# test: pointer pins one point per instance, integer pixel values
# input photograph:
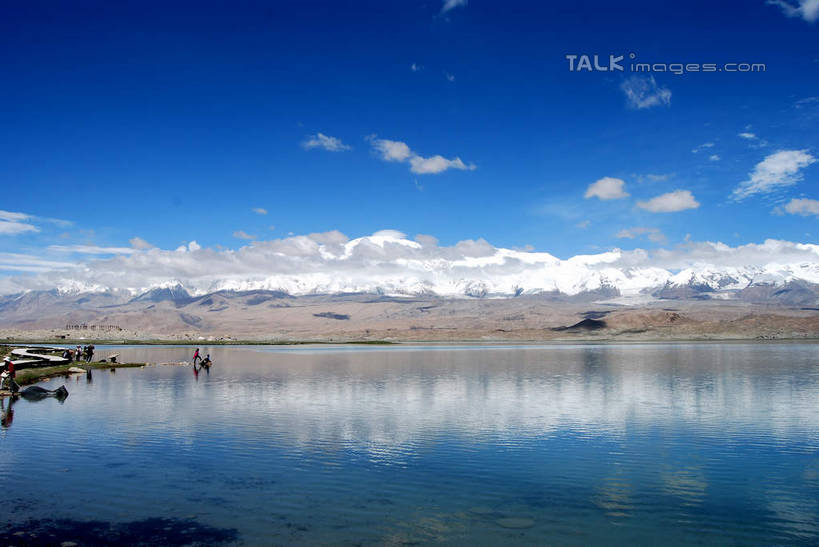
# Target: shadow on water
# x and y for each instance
(32, 394)
(152, 531)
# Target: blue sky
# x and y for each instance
(459, 120)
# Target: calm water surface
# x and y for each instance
(568, 445)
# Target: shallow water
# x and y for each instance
(570, 445)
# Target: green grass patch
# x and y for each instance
(32, 375)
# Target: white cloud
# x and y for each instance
(388, 262)
(702, 147)
(452, 4)
(240, 234)
(449, 77)
(13, 217)
(91, 249)
(806, 9)
(775, 171)
(653, 234)
(752, 138)
(415, 67)
(325, 142)
(397, 151)
(15, 262)
(436, 164)
(13, 228)
(391, 150)
(139, 243)
(607, 188)
(12, 223)
(259, 211)
(678, 200)
(803, 207)
(643, 92)
(427, 240)
(653, 177)
(714, 157)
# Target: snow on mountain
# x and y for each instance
(388, 263)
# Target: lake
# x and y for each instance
(563, 444)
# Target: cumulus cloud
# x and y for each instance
(653, 234)
(388, 262)
(607, 188)
(436, 164)
(678, 200)
(415, 67)
(391, 150)
(806, 9)
(748, 136)
(400, 152)
(452, 4)
(643, 92)
(240, 234)
(259, 211)
(714, 157)
(777, 170)
(804, 207)
(325, 142)
(139, 243)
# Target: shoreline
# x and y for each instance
(406, 341)
(615, 340)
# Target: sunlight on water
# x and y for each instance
(682, 444)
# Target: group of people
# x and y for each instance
(206, 362)
(82, 353)
(203, 363)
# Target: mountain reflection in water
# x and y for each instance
(572, 444)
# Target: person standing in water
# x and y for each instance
(8, 378)
(196, 356)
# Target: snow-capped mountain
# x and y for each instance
(387, 263)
